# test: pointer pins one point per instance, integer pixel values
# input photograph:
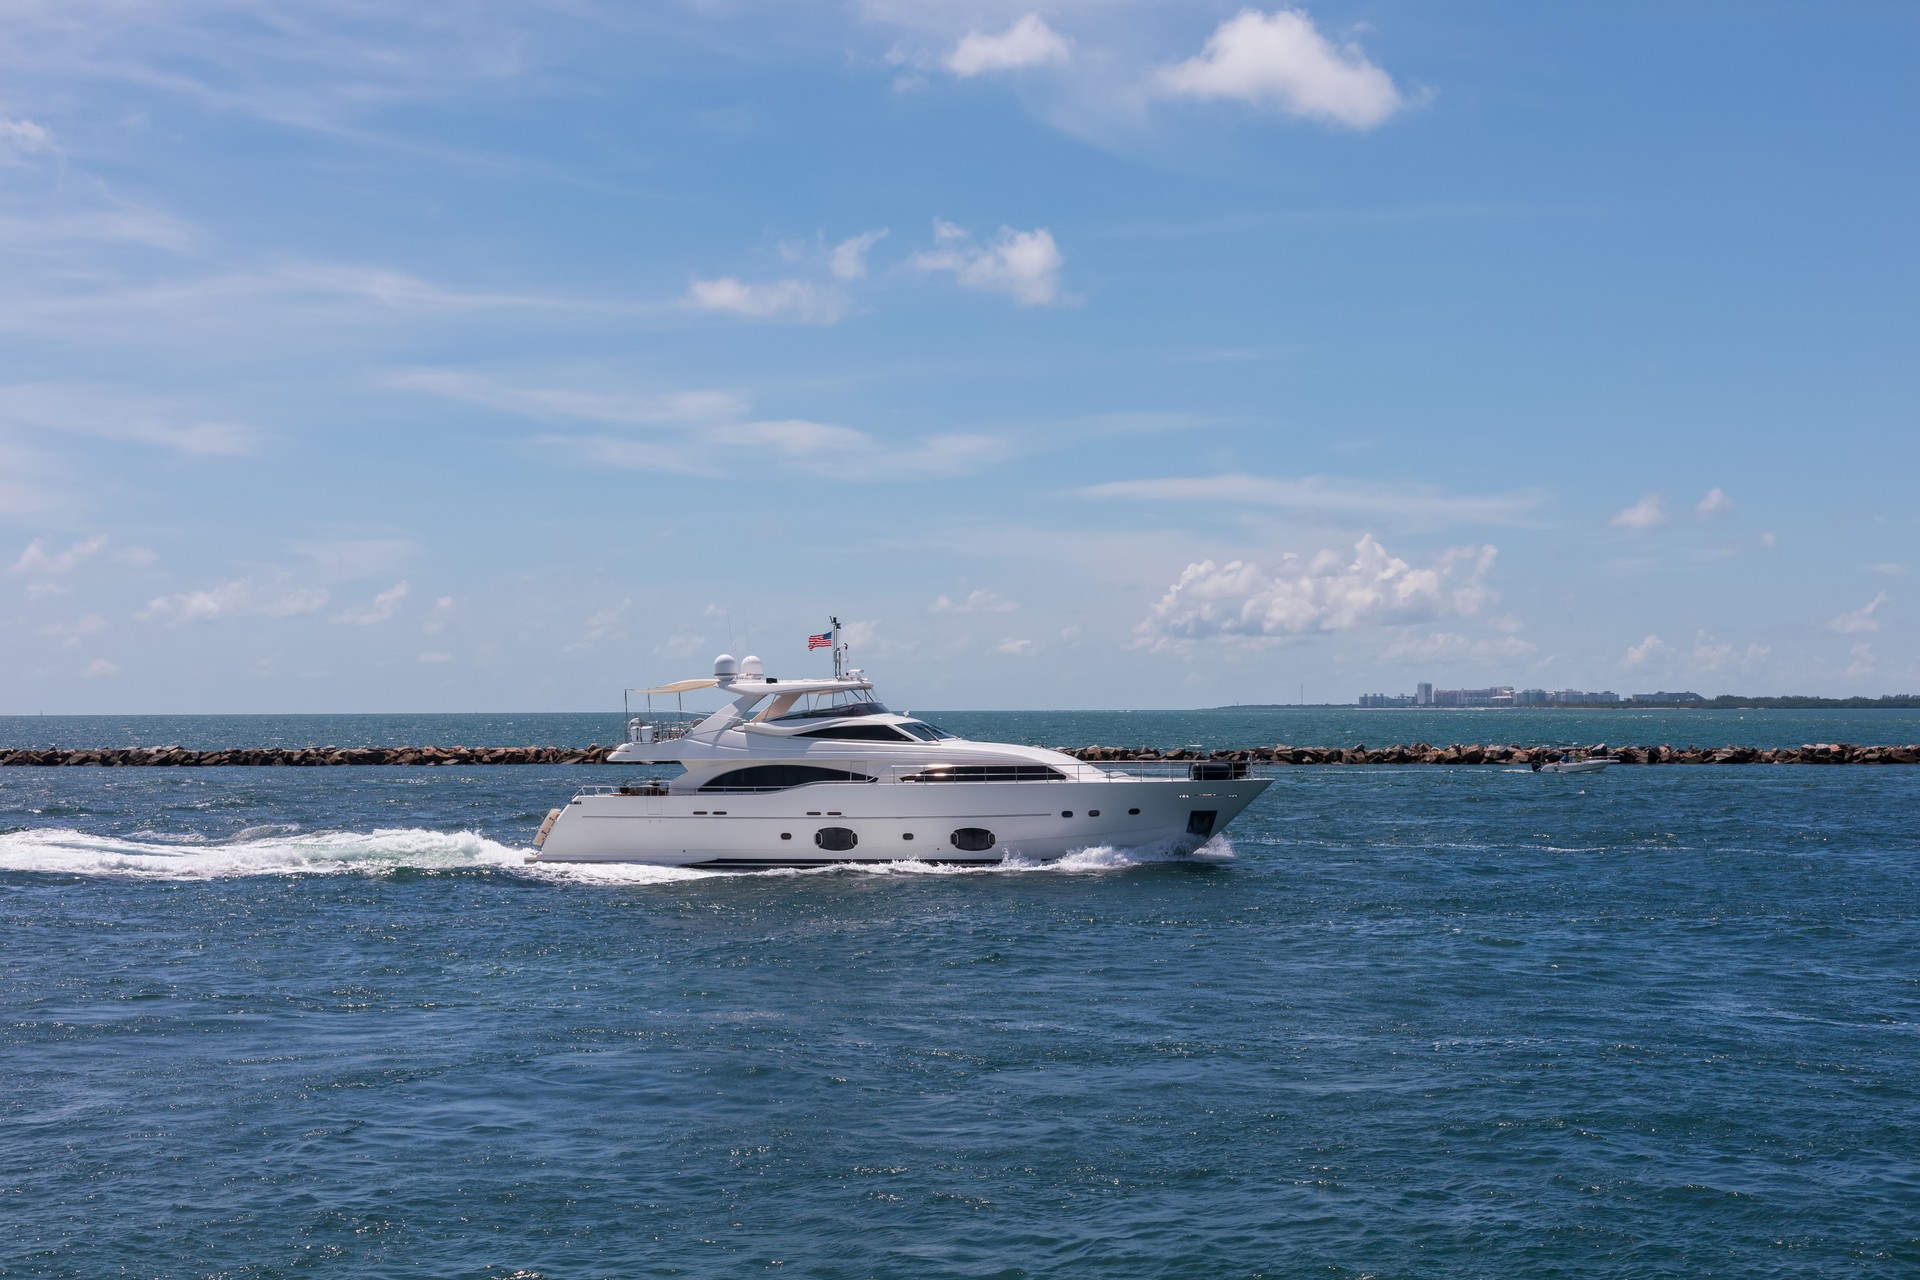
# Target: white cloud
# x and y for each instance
(1648, 513)
(604, 624)
(1768, 540)
(1024, 265)
(783, 299)
(22, 138)
(84, 411)
(1860, 619)
(39, 558)
(70, 635)
(1316, 493)
(1281, 60)
(1014, 648)
(243, 596)
(441, 616)
(100, 667)
(344, 559)
(1890, 568)
(1715, 503)
(1863, 661)
(677, 408)
(381, 610)
(1030, 42)
(1451, 646)
(435, 656)
(1323, 594)
(976, 602)
(1712, 655)
(848, 259)
(1639, 654)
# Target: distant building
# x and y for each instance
(1385, 700)
(1423, 694)
(1532, 697)
(1497, 696)
(1576, 697)
(1664, 696)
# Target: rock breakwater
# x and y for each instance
(1359, 754)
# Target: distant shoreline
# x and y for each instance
(1725, 702)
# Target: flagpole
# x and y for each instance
(834, 626)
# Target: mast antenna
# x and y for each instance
(837, 646)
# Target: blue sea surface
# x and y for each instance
(1416, 1021)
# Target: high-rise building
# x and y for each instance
(1423, 694)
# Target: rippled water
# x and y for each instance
(1402, 1022)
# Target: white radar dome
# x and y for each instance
(726, 667)
(750, 667)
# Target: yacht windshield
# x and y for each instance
(833, 711)
(923, 731)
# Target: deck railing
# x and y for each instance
(918, 775)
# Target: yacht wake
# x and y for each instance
(274, 851)
(281, 850)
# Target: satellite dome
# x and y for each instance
(725, 667)
(750, 667)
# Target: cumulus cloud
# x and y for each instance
(1860, 619)
(384, 606)
(20, 138)
(100, 667)
(1710, 654)
(1323, 594)
(800, 300)
(1638, 655)
(1014, 648)
(1281, 60)
(1030, 42)
(1024, 265)
(1648, 513)
(241, 597)
(39, 557)
(848, 259)
(1715, 503)
(976, 602)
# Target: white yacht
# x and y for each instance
(812, 772)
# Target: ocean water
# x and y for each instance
(1399, 1022)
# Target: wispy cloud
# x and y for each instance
(39, 557)
(1715, 503)
(22, 138)
(238, 598)
(801, 300)
(1861, 619)
(981, 601)
(1024, 265)
(381, 609)
(108, 415)
(1648, 513)
(1318, 493)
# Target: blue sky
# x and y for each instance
(1106, 353)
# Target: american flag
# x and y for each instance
(821, 641)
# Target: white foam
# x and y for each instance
(278, 850)
(253, 852)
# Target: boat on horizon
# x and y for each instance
(818, 772)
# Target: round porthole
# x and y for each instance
(972, 839)
(907, 836)
(786, 835)
(1133, 813)
(835, 839)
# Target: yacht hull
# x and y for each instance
(809, 825)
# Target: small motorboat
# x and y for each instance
(1596, 765)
